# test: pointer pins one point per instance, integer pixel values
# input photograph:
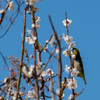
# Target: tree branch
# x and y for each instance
(59, 59)
(22, 54)
(35, 34)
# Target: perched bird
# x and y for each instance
(78, 64)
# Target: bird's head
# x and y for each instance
(76, 52)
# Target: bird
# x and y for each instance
(78, 64)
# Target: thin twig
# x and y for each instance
(53, 95)
(4, 12)
(22, 54)
(11, 21)
(59, 58)
(52, 76)
(35, 34)
(4, 60)
(66, 23)
(47, 61)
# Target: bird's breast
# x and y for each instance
(77, 65)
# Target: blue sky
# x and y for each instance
(85, 16)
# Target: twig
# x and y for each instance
(53, 95)
(52, 76)
(35, 34)
(4, 12)
(22, 54)
(66, 24)
(11, 22)
(50, 90)
(47, 42)
(52, 55)
(4, 60)
(59, 58)
(42, 89)
(48, 96)
(47, 61)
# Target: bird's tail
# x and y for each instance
(84, 80)
(83, 77)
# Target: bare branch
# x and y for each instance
(35, 34)
(59, 58)
(22, 54)
(66, 24)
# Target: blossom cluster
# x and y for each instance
(28, 71)
(31, 2)
(32, 39)
(73, 72)
(10, 7)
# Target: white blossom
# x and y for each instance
(68, 22)
(73, 56)
(27, 1)
(38, 20)
(58, 92)
(33, 25)
(39, 64)
(38, 67)
(74, 72)
(65, 53)
(69, 80)
(47, 41)
(52, 41)
(39, 71)
(28, 11)
(49, 72)
(6, 81)
(68, 69)
(31, 67)
(33, 2)
(72, 84)
(70, 97)
(71, 45)
(45, 48)
(11, 6)
(14, 96)
(68, 39)
(28, 71)
(57, 51)
(31, 94)
(29, 31)
(30, 40)
(37, 26)
(24, 70)
(1, 11)
(44, 73)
